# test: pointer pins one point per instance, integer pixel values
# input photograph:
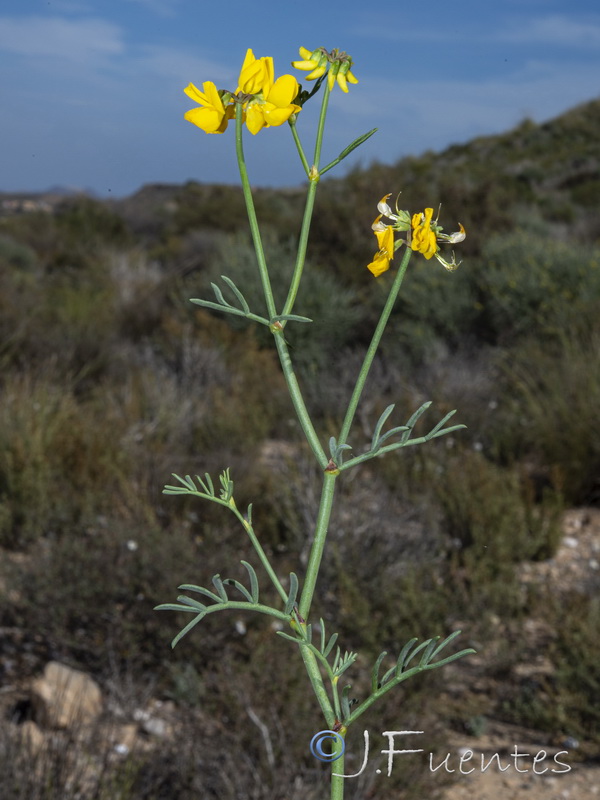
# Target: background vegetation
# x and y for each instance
(111, 380)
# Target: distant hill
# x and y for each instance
(487, 184)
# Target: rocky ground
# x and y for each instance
(61, 701)
(575, 566)
(546, 773)
(581, 783)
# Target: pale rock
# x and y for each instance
(124, 738)
(155, 727)
(32, 737)
(65, 697)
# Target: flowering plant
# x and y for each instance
(262, 101)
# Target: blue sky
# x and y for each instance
(91, 93)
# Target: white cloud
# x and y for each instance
(428, 114)
(73, 40)
(170, 63)
(534, 29)
(555, 30)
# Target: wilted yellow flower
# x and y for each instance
(423, 238)
(213, 116)
(401, 219)
(385, 240)
(317, 61)
(423, 235)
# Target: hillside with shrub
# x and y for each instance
(111, 380)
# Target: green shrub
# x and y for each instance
(549, 415)
(493, 522)
(57, 465)
(16, 255)
(563, 700)
(529, 282)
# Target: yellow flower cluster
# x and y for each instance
(423, 236)
(267, 102)
(317, 61)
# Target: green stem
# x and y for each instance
(321, 126)
(264, 560)
(314, 674)
(284, 357)
(318, 545)
(370, 355)
(313, 177)
(337, 783)
(292, 124)
(302, 246)
(297, 398)
(260, 254)
(244, 605)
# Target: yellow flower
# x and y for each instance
(213, 116)
(385, 240)
(271, 102)
(423, 238)
(275, 106)
(266, 101)
(317, 61)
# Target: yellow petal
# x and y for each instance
(284, 91)
(209, 97)
(424, 242)
(269, 74)
(249, 59)
(316, 73)
(379, 265)
(341, 79)
(250, 79)
(306, 65)
(208, 119)
(194, 93)
(277, 116)
(306, 54)
(256, 74)
(385, 240)
(255, 120)
(212, 95)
